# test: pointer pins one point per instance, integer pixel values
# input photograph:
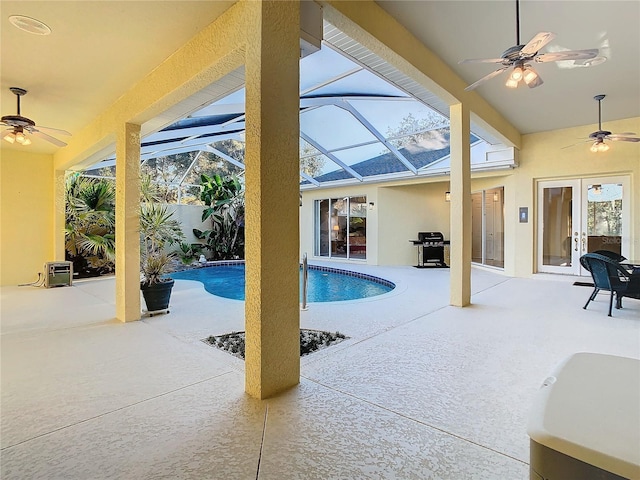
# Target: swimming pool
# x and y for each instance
(325, 284)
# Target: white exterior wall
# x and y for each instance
(190, 217)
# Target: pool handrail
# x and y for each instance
(305, 281)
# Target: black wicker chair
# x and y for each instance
(610, 276)
(612, 255)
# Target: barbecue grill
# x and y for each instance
(430, 249)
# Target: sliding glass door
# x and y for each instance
(341, 227)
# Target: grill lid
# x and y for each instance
(430, 236)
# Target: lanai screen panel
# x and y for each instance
(353, 125)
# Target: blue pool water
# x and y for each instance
(228, 281)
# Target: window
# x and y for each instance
(341, 227)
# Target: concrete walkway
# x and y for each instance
(420, 389)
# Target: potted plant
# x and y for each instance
(158, 230)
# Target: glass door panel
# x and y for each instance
(322, 221)
(339, 230)
(358, 227)
(604, 217)
(558, 231)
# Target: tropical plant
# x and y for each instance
(311, 160)
(428, 131)
(90, 223)
(224, 200)
(158, 230)
(188, 252)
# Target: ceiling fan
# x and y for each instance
(20, 125)
(600, 135)
(520, 56)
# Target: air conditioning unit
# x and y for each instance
(58, 274)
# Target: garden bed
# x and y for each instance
(310, 341)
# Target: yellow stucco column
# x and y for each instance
(272, 315)
(128, 223)
(58, 214)
(460, 206)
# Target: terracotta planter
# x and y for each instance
(157, 295)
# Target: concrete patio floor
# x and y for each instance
(420, 389)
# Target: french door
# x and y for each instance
(578, 216)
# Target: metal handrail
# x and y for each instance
(305, 282)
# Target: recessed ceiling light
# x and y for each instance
(30, 25)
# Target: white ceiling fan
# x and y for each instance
(520, 57)
(598, 137)
(20, 125)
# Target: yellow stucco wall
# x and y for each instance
(26, 215)
(210, 55)
(543, 157)
(405, 211)
(272, 312)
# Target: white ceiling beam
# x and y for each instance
(331, 80)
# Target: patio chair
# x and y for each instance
(633, 288)
(612, 255)
(609, 275)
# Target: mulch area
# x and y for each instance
(310, 341)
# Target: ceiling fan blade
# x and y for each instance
(48, 138)
(53, 130)
(485, 78)
(622, 134)
(482, 60)
(567, 55)
(620, 138)
(573, 145)
(537, 42)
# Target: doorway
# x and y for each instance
(487, 229)
(578, 216)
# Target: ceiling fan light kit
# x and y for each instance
(18, 125)
(598, 137)
(19, 137)
(599, 146)
(518, 56)
(523, 72)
